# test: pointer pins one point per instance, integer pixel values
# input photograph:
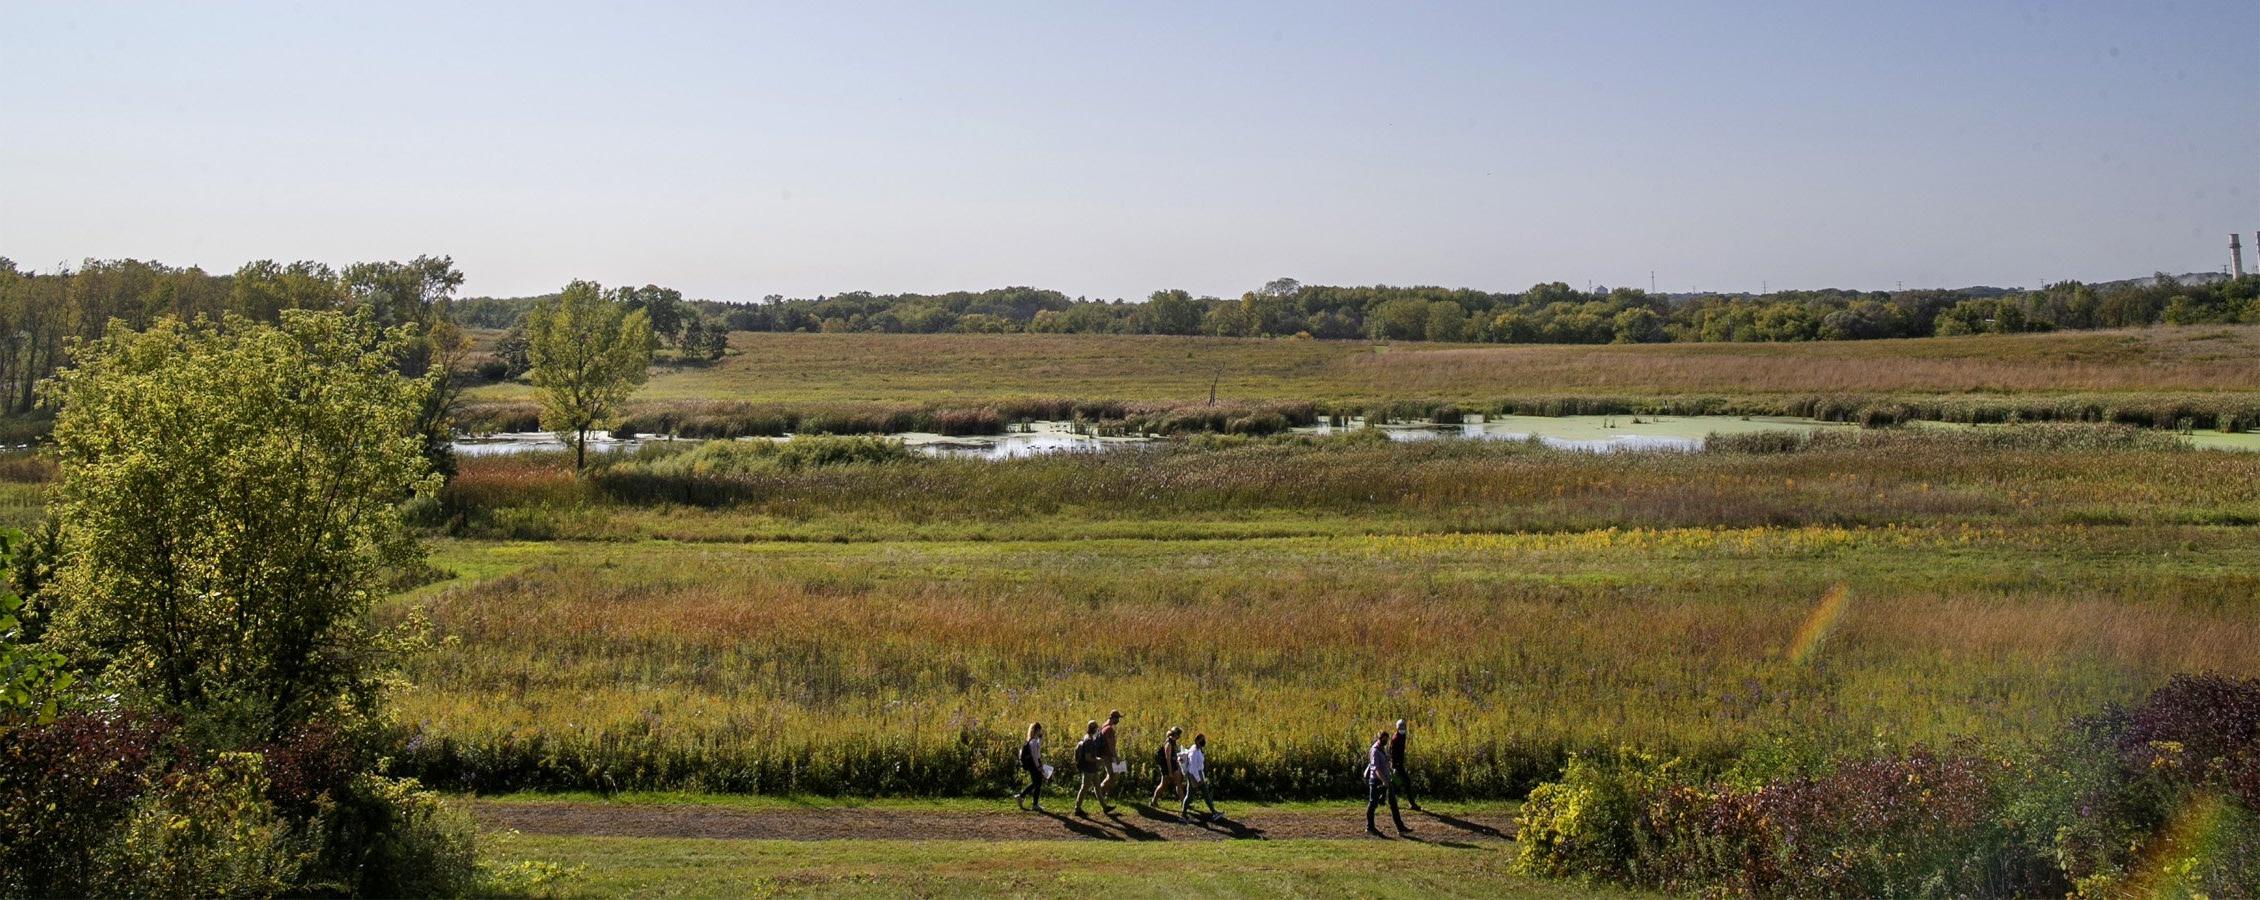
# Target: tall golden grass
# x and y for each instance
(1297, 486)
(1287, 595)
(908, 668)
(965, 370)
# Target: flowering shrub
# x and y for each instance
(2160, 796)
(1595, 821)
(2154, 800)
(1918, 823)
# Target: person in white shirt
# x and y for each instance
(1032, 762)
(1193, 761)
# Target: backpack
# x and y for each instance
(1027, 756)
(1161, 758)
(1087, 753)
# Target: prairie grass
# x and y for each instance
(774, 384)
(923, 369)
(1354, 485)
(908, 668)
(887, 627)
(920, 369)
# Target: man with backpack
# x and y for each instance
(1165, 759)
(1397, 765)
(1089, 769)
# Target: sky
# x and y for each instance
(735, 150)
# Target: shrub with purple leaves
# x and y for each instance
(2210, 716)
(2159, 799)
(65, 787)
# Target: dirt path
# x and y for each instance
(1128, 823)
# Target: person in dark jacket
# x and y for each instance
(1377, 787)
(1172, 775)
(1089, 764)
(1032, 762)
(1397, 763)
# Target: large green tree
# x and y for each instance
(420, 292)
(229, 506)
(589, 352)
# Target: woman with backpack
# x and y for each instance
(1032, 762)
(1165, 759)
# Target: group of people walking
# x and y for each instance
(1384, 770)
(1184, 771)
(1099, 763)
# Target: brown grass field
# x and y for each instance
(955, 368)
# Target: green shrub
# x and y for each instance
(1593, 823)
(386, 837)
(207, 833)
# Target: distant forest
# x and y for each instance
(1552, 313)
(40, 312)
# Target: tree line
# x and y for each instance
(43, 314)
(40, 313)
(1551, 313)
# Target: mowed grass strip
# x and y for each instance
(689, 867)
(958, 368)
(911, 668)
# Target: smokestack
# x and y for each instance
(2236, 253)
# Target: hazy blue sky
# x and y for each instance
(736, 150)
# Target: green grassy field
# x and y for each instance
(691, 867)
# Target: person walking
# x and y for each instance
(1088, 765)
(1193, 762)
(1110, 762)
(1165, 759)
(1377, 787)
(1032, 762)
(1397, 765)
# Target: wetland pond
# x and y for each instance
(1600, 434)
(1597, 434)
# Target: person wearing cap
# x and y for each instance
(1397, 763)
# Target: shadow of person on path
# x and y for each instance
(1417, 839)
(1465, 825)
(1154, 813)
(1086, 829)
(1235, 830)
(1134, 832)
